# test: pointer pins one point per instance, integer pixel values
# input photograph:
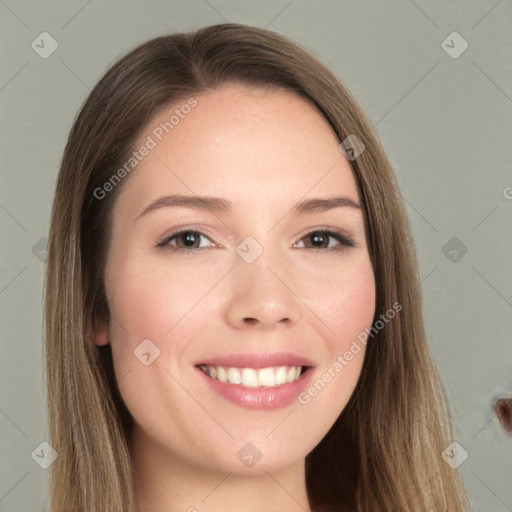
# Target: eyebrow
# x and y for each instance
(219, 205)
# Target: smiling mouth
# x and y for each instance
(271, 376)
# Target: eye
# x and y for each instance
(189, 240)
(186, 240)
(320, 240)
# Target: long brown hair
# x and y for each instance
(384, 452)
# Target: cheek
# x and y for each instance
(149, 300)
(346, 305)
(345, 302)
(151, 307)
(144, 306)
(158, 303)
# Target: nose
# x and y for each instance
(262, 294)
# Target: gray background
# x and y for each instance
(446, 125)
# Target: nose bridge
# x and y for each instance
(259, 288)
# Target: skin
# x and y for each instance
(264, 150)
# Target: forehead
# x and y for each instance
(246, 144)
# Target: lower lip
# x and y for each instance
(269, 398)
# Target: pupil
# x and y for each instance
(317, 238)
(189, 237)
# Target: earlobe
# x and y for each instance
(99, 331)
(100, 337)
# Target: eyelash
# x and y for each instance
(345, 241)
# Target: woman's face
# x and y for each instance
(253, 286)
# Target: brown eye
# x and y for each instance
(185, 240)
(320, 240)
(190, 239)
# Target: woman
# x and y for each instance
(233, 313)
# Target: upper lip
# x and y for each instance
(257, 360)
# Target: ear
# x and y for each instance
(100, 333)
(99, 328)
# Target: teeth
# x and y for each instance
(251, 377)
(280, 375)
(266, 377)
(221, 373)
(234, 376)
